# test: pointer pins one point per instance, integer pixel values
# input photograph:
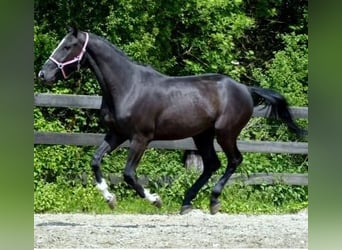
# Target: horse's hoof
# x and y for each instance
(112, 203)
(158, 203)
(214, 208)
(186, 209)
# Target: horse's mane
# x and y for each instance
(119, 51)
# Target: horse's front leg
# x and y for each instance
(111, 142)
(136, 150)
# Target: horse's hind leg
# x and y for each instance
(110, 142)
(234, 156)
(205, 145)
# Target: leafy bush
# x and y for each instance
(288, 71)
(59, 186)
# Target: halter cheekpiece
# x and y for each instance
(76, 59)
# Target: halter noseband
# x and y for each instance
(76, 59)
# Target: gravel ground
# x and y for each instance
(194, 230)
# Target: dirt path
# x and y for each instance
(194, 230)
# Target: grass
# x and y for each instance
(235, 199)
(58, 189)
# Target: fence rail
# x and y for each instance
(93, 139)
(238, 178)
(94, 102)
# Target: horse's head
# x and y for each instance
(66, 58)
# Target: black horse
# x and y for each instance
(141, 105)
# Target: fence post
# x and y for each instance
(192, 160)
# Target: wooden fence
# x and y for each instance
(90, 139)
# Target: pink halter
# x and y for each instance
(76, 59)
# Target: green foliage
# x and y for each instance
(60, 188)
(57, 197)
(288, 71)
(206, 35)
(264, 42)
(263, 199)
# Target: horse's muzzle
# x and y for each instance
(45, 78)
(41, 75)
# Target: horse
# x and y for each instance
(141, 104)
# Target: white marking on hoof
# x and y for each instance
(152, 198)
(103, 187)
(112, 203)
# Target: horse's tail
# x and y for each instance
(279, 107)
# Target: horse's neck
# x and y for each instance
(110, 68)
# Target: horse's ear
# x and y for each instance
(73, 30)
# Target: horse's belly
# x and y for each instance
(179, 133)
(182, 125)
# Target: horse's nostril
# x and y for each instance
(41, 74)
